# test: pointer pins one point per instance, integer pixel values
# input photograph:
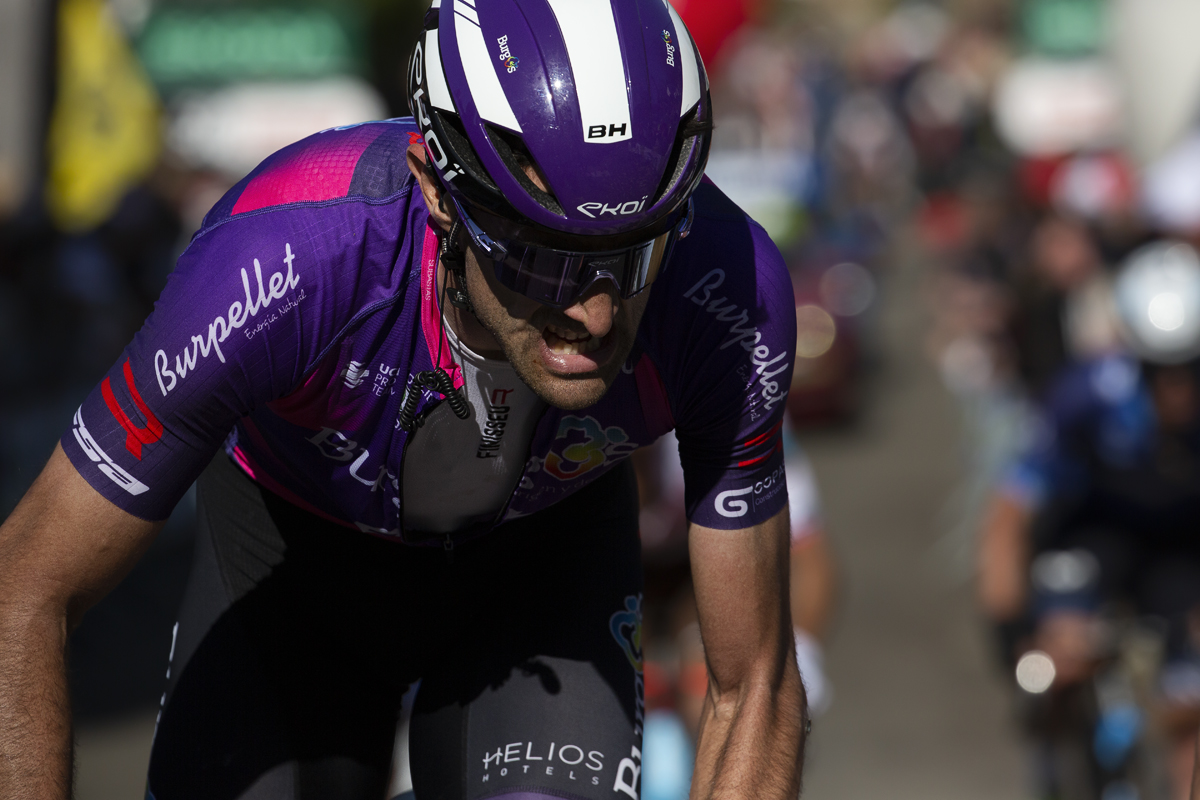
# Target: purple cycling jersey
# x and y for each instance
(294, 321)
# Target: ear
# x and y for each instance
(417, 159)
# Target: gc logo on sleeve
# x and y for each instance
(728, 507)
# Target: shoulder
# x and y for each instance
(724, 305)
(728, 254)
(340, 203)
(357, 161)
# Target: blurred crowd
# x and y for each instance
(991, 142)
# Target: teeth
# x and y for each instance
(566, 335)
(565, 343)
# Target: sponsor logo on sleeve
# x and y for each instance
(734, 503)
(765, 363)
(105, 464)
(732, 508)
(135, 435)
(201, 345)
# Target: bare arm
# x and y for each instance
(62, 549)
(751, 740)
(1004, 558)
(814, 585)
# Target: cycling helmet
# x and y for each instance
(1158, 300)
(606, 99)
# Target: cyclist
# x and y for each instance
(448, 330)
(1104, 502)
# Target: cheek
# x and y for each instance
(489, 293)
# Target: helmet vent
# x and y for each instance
(691, 129)
(517, 159)
(459, 145)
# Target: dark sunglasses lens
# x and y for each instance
(557, 278)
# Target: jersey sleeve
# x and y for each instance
(727, 311)
(252, 303)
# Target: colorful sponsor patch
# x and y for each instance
(583, 444)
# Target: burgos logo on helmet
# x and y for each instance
(670, 48)
(506, 55)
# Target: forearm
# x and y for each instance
(1004, 558)
(750, 743)
(751, 739)
(35, 727)
(61, 549)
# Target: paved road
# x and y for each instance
(919, 712)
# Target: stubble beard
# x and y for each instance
(520, 341)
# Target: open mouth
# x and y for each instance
(563, 342)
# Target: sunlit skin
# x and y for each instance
(509, 325)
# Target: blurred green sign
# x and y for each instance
(1064, 27)
(217, 45)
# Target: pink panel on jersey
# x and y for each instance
(653, 395)
(431, 326)
(273, 486)
(318, 171)
(319, 402)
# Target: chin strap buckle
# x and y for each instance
(455, 261)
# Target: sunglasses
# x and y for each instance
(557, 278)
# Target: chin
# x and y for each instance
(571, 395)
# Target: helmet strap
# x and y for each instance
(454, 258)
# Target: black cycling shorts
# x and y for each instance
(297, 639)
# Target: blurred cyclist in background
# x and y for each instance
(1103, 505)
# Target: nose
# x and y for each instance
(596, 308)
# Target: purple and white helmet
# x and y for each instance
(607, 98)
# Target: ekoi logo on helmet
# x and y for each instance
(420, 111)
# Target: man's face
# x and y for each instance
(569, 357)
